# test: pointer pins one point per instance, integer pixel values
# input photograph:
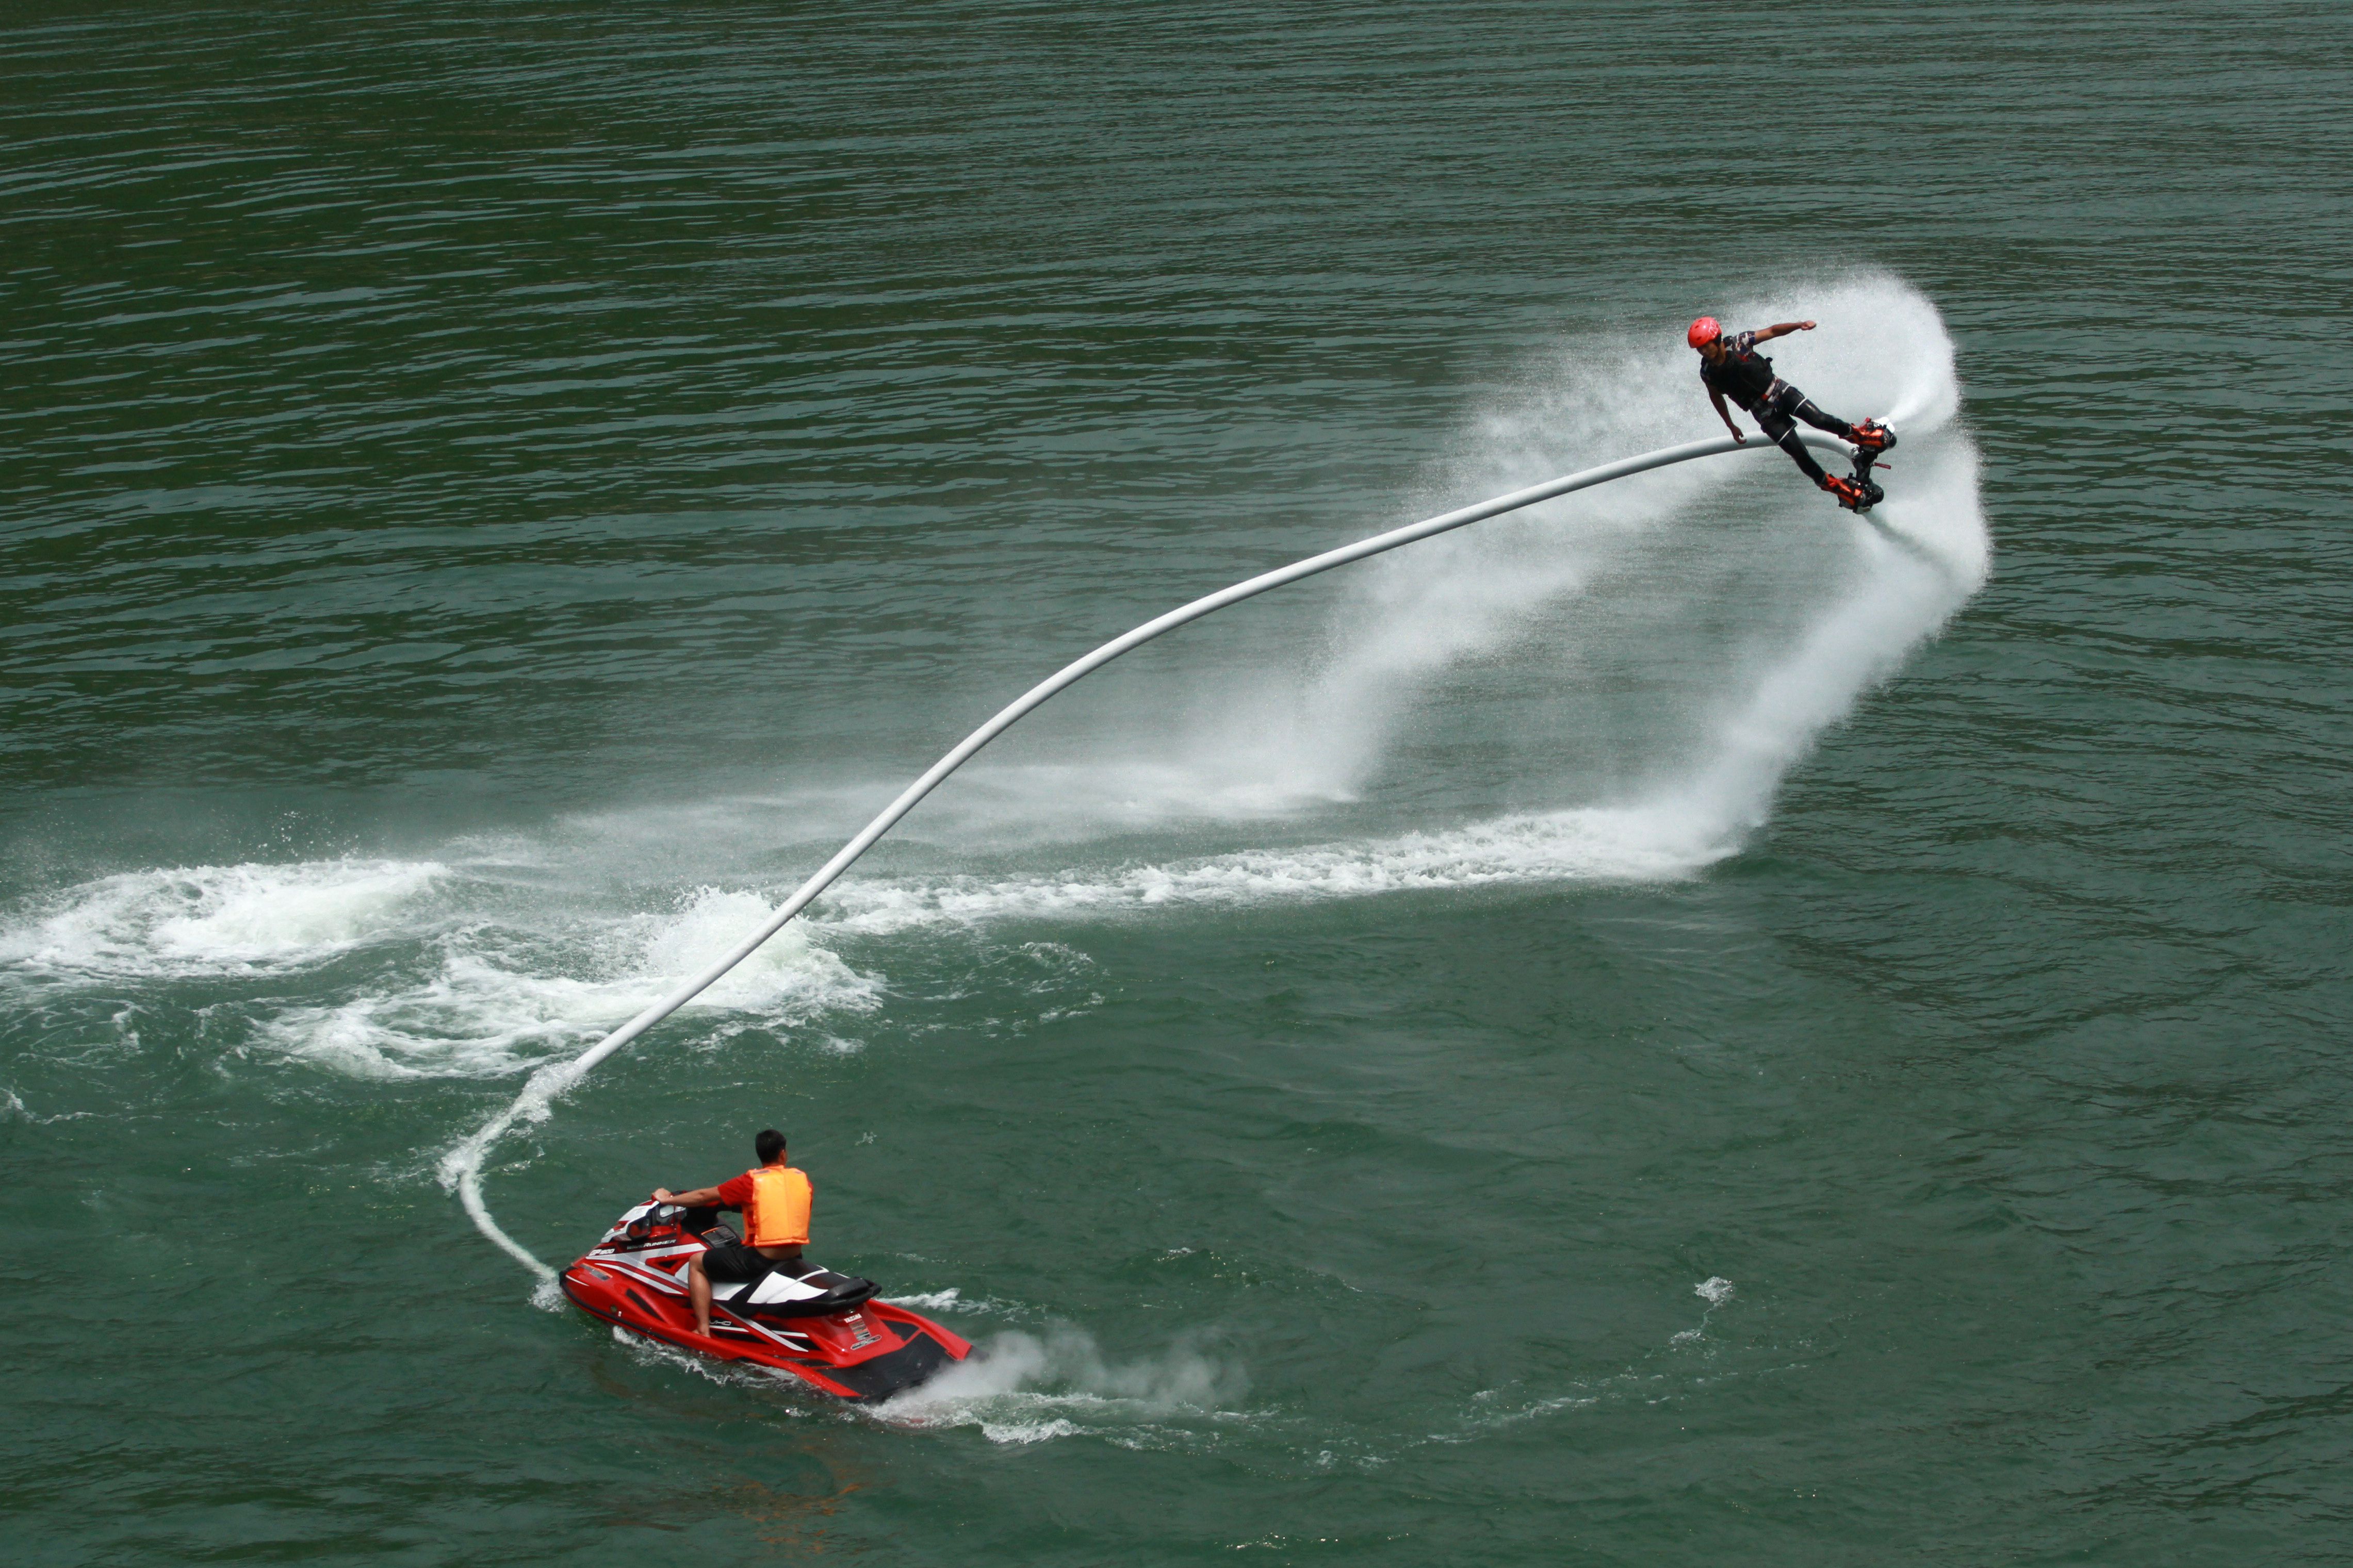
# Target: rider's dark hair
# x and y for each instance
(770, 1146)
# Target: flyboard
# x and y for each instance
(462, 1167)
(1871, 439)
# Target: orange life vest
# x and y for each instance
(778, 1214)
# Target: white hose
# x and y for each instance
(462, 1167)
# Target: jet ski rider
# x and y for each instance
(1731, 367)
(774, 1199)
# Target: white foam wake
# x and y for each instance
(466, 975)
(461, 975)
(1026, 1388)
(1599, 843)
(222, 920)
(490, 1003)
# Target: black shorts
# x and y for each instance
(734, 1260)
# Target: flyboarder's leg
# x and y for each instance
(1773, 418)
(1775, 425)
(1804, 408)
(1869, 436)
(1776, 417)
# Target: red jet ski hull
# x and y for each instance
(867, 1351)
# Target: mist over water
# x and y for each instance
(1679, 1023)
(1706, 599)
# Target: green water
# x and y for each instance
(1680, 1027)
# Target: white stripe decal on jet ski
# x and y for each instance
(781, 1286)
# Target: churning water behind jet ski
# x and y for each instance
(824, 1327)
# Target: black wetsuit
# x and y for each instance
(1746, 377)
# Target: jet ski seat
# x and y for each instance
(797, 1288)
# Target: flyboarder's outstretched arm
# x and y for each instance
(1782, 330)
(1725, 414)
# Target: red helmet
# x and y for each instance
(1704, 332)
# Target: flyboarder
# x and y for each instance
(1731, 367)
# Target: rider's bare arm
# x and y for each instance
(700, 1198)
(1782, 330)
(1725, 414)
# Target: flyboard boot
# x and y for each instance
(1871, 438)
(1854, 494)
(1859, 494)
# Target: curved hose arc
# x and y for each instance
(463, 1165)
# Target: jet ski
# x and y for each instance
(826, 1329)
